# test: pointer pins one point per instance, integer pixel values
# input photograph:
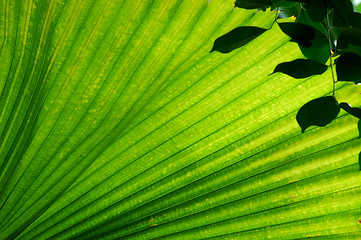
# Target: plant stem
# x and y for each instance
(330, 48)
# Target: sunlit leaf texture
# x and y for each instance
(117, 122)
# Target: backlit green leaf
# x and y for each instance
(116, 122)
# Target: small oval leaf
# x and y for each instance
(349, 40)
(348, 68)
(318, 54)
(304, 35)
(341, 11)
(236, 38)
(356, 112)
(301, 68)
(318, 112)
(316, 10)
(253, 4)
(305, 18)
(348, 37)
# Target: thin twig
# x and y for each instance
(330, 48)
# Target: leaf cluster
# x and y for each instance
(326, 31)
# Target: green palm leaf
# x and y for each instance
(116, 121)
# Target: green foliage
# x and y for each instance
(316, 9)
(318, 112)
(349, 41)
(356, 112)
(116, 122)
(236, 38)
(355, 19)
(324, 29)
(318, 54)
(358, 8)
(312, 31)
(301, 68)
(306, 36)
(341, 11)
(253, 4)
(348, 67)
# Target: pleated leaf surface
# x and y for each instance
(117, 122)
